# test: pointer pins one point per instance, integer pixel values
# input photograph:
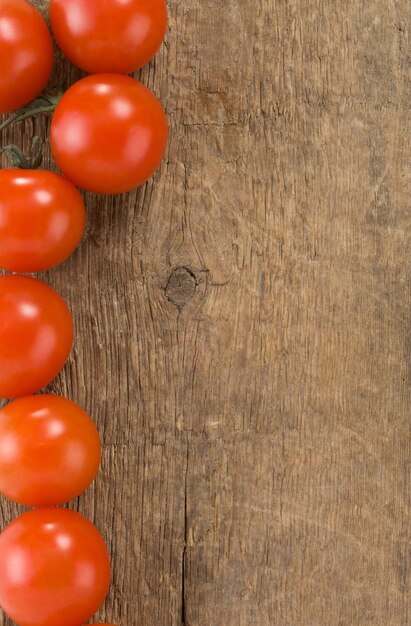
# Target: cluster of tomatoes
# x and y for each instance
(108, 135)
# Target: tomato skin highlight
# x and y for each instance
(49, 450)
(108, 133)
(54, 568)
(26, 53)
(109, 35)
(42, 220)
(36, 335)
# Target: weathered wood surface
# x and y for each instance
(243, 325)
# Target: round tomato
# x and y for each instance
(42, 218)
(109, 35)
(36, 335)
(54, 569)
(26, 53)
(49, 450)
(108, 133)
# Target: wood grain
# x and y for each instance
(243, 325)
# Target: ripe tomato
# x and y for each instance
(49, 450)
(36, 335)
(108, 133)
(54, 569)
(42, 218)
(26, 53)
(116, 36)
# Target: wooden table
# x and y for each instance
(243, 325)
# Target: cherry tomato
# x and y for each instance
(116, 36)
(42, 218)
(108, 133)
(54, 568)
(36, 335)
(49, 450)
(26, 53)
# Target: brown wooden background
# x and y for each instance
(243, 325)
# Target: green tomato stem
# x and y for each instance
(46, 104)
(18, 160)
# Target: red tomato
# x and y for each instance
(116, 36)
(49, 450)
(36, 335)
(54, 569)
(42, 218)
(108, 133)
(26, 53)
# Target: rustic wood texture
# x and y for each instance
(243, 325)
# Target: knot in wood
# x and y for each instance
(181, 286)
